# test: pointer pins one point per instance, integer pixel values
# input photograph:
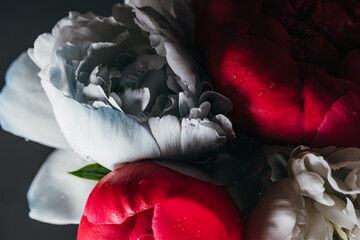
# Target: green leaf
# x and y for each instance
(92, 172)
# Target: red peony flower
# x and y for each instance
(146, 201)
(290, 67)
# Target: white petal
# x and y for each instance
(310, 162)
(312, 185)
(188, 138)
(219, 103)
(352, 179)
(156, 4)
(43, 50)
(201, 112)
(279, 213)
(104, 135)
(55, 196)
(24, 108)
(135, 101)
(200, 135)
(316, 227)
(338, 213)
(182, 64)
(166, 131)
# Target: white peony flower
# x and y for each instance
(113, 90)
(319, 200)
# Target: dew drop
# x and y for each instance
(272, 85)
(232, 62)
(354, 113)
(143, 182)
(237, 89)
(106, 184)
(244, 84)
(261, 93)
(234, 76)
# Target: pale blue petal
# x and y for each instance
(24, 108)
(104, 135)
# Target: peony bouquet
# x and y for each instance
(195, 120)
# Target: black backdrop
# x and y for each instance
(20, 23)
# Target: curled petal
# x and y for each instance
(55, 196)
(189, 137)
(342, 214)
(24, 108)
(201, 112)
(312, 185)
(135, 101)
(104, 135)
(182, 65)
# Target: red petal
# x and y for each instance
(137, 227)
(317, 51)
(131, 189)
(350, 68)
(270, 29)
(265, 86)
(320, 92)
(90, 231)
(204, 212)
(341, 126)
(218, 20)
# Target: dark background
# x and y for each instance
(20, 23)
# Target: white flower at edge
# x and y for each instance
(319, 199)
(112, 90)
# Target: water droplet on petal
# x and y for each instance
(232, 62)
(261, 93)
(106, 184)
(244, 84)
(143, 183)
(237, 89)
(234, 76)
(354, 113)
(272, 85)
